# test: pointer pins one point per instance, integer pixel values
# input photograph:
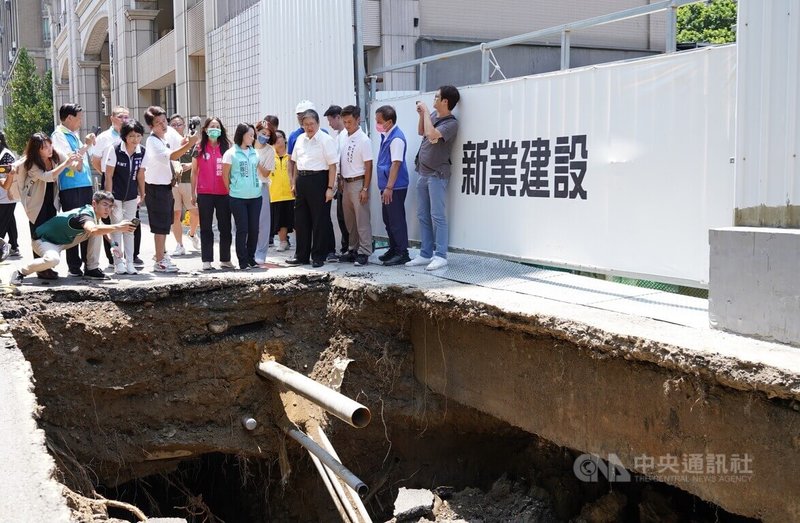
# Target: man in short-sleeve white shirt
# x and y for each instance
(355, 161)
(109, 138)
(315, 154)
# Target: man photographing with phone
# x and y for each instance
(67, 229)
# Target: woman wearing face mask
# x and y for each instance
(240, 174)
(210, 193)
(265, 138)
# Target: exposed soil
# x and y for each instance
(144, 391)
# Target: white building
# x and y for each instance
(207, 56)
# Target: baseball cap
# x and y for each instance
(304, 106)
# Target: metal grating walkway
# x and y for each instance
(570, 288)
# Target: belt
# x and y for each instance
(354, 179)
(308, 173)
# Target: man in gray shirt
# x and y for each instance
(438, 131)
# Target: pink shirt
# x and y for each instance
(209, 171)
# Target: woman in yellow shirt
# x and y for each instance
(280, 193)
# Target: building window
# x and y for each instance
(46, 31)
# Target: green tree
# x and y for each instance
(31, 108)
(712, 22)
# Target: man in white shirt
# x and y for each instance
(315, 155)
(334, 116)
(355, 161)
(161, 149)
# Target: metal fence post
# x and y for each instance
(565, 49)
(485, 53)
(422, 81)
(672, 27)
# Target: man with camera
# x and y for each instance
(182, 191)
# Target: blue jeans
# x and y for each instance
(432, 214)
(264, 226)
(245, 214)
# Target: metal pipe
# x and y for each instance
(484, 64)
(564, 50)
(550, 31)
(336, 467)
(329, 487)
(359, 505)
(672, 28)
(337, 404)
(423, 78)
(360, 68)
(336, 483)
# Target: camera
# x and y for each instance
(194, 123)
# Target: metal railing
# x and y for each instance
(564, 30)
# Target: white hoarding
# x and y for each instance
(619, 168)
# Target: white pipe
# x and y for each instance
(342, 495)
(340, 470)
(337, 404)
(329, 486)
(363, 515)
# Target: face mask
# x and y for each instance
(380, 127)
(214, 133)
(263, 139)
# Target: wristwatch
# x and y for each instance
(330, 188)
(364, 189)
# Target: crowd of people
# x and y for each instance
(258, 182)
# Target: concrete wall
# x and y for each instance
(754, 286)
(595, 392)
(514, 61)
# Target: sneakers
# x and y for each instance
(226, 265)
(165, 265)
(131, 268)
(348, 257)
(76, 273)
(137, 262)
(14, 253)
(386, 255)
(332, 258)
(95, 274)
(362, 259)
(179, 250)
(418, 262)
(195, 241)
(436, 263)
(282, 247)
(16, 279)
(208, 267)
(5, 250)
(121, 268)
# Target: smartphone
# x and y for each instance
(136, 221)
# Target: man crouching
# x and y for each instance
(69, 228)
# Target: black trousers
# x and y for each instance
(208, 204)
(245, 213)
(312, 217)
(342, 224)
(72, 199)
(7, 223)
(394, 218)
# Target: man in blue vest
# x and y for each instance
(393, 184)
(75, 187)
(69, 228)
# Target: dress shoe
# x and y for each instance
(318, 263)
(397, 259)
(386, 255)
(295, 261)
